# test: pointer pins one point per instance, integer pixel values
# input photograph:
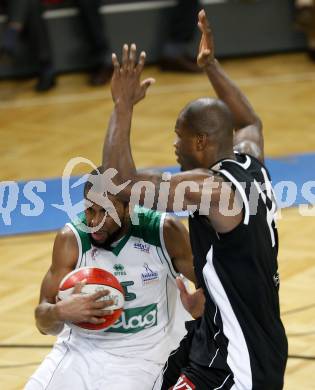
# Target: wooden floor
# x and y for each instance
(40, 133)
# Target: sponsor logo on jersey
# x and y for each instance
(142, 247)
(119, 270)
(135, 320)
(149, 276)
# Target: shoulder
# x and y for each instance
(147, 215)
(177, 243)
(175, 234)
(65, 234)
(250, 148)
(66, 245)
(173, 226)
(146, 224)
(254, 167)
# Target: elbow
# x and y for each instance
(41, 331)
(44, 324)
(37, 314)
(253, 122)
(259, 129)
(249, 119)
(258, 124)
(39, 326)
(53, 330)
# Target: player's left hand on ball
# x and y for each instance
(126, 86)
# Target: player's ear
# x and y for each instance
(201, 141)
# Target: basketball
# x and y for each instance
(97, 279)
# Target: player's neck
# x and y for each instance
(225, 155)
(218, 156)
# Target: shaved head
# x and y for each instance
(208, 116)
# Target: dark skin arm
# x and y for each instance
(186, 188)
(177, 243)
(51, 316)
(248, 137)
(120, 97)
(117, 151)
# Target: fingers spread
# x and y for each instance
(201, 14)
(132, 56)
(148, 81)
(205, 53)
(100, 313)
(125, 59)
(99, 294)
(107, 312)
(141, 62)
(96, 320)
(97, 316)
(78, 287)
(103, 304)
(203, 18)
(203, 23)
(145, 84)
(115, 63)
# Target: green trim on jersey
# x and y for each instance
(148, 229)
(116, 249)
(84, 237)
(149, 226)
(168, 262)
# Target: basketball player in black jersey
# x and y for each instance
(238, 342)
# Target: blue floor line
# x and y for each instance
(27, 210)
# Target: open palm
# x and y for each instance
(206, 46)
(125, 84)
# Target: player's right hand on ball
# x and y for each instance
(84, 307)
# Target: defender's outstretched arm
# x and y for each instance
(248, 137)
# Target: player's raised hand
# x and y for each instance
(126, 86)
(206, 46)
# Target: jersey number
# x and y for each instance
(129, 296)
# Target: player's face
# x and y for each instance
(184, 145)
(96, 215)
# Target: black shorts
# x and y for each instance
(181, 372)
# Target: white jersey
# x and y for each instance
(143, 267)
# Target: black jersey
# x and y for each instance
(241, 331)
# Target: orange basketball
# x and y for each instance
(96, 279)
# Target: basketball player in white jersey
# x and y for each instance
(146, 258)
